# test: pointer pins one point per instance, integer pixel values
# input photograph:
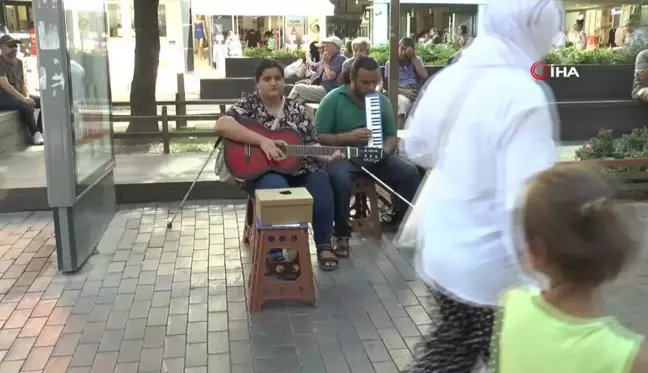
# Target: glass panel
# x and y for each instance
(23, 21)
(12, 21)
(162, 20)
(114, 20)
(86, 30)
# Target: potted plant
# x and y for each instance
(618, 155)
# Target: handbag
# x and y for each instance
(220, 168)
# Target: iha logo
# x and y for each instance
(542, 71)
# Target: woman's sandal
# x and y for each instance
(327, 260)
(341, 247)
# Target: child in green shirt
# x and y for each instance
(576, 237)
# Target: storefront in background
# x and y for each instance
(17, 17)
(417, 16)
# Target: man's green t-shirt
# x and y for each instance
(339, 113)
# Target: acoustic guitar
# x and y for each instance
(248, 162)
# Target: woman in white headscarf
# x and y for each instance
(485, 126)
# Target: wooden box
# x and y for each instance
(283, 206)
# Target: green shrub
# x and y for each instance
(431, 55)
(439, 55)
(600, 56)
(605, 147)
(266, 53)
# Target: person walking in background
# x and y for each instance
(483, 148)
(233, 44)
(635, 37)
(199, 36)
(464, 38)
(577, 36)
(577, 238)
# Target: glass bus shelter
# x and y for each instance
(79, 147)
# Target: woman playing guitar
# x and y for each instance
(268, 106)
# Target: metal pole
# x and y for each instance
(394, 26)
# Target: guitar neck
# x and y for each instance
(319, 151)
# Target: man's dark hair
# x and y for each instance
(362, 62)
(408, 42)
(267, 63)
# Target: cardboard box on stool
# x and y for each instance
(283, 206)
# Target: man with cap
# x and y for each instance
(14, 94)
(331, 69)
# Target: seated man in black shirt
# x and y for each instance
(13, 89)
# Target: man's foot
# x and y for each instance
(341, 247)
(37, 139)
(326, 259)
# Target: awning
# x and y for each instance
(298, 8)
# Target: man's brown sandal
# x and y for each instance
(341, 247)
(326, 259)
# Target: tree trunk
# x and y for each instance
(147, 60)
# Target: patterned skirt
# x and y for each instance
(460, 339)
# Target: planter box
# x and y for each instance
(580, 121)
(243, 67)
(596, 83)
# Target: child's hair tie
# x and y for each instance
(590, 207)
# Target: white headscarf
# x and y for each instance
(516, 34)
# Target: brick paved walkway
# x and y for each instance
(158, 301)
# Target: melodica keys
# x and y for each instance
(374, 120)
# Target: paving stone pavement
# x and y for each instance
(152, 300)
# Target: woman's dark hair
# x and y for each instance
(314, 51)
(348, 49)
(571, 219)
(362, 62)
(266, 64)
(408, 42)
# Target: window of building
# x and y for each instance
(114, 20)
(18, 17)
(162, 20)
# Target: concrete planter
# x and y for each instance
(230, 88)
(243, 67)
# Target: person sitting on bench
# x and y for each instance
(14, 94)
(640, 85)
(341, 121)
(411, 76)
(361, 47)
(270, 108)
(330, 71)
